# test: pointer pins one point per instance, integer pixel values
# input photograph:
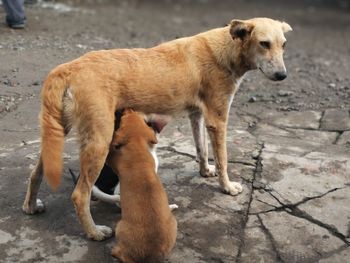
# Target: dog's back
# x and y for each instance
(147, 230)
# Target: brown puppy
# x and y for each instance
(147, 230)
(198, 75)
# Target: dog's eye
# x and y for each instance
(284, 44)
(265, 44)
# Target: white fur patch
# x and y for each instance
(152, 150)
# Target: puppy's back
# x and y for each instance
(150, 234)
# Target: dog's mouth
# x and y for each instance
(267, 76)
(262, 71)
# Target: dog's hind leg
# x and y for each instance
(200, 140)
(96, 132)
(32, 204)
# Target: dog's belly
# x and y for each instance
(164, 97)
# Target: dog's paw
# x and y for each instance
(232, 188)
(36, 208)
(101, 233)
(209, 171)
(173, 207)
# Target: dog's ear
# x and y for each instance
(286, 27)
(157, 122)
(240, 29)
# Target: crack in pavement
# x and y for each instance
(291, 205)
(334, 252)
(339, 134)
(271, 238)
(320, 120)
(293, 210)
(286, 128)
(256, 174)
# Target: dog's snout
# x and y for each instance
(280, 75)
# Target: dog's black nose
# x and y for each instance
(280, 75)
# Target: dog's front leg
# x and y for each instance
(200, 140)
(216, 123)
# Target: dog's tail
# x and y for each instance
(52, 126)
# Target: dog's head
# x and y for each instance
(135, 125)
(262, 41)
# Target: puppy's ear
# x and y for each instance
(153, 138)
(128, 110)
(118, 139)
(286, 27)
(240, 29)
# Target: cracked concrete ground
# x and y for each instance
(288, 142)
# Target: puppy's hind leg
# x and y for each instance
(200, 140)
(31, 204)
(117, 252)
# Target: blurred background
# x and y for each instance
(317, 53)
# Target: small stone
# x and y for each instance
(252, 124)
(36, 83)
(11, 106)
(31, 156)
(331, 85)
(2, 106)
(255, 154)
(252, 99)
(285, 93)
(11, 83)
(288, 209)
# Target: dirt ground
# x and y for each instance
(318, 87)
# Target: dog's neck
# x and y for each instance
(226, 51)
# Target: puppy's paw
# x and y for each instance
(173, 207)
(232, 188)
(101, 233)
(36, 208)
(208, 172)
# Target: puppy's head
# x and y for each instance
(135, 125)
(262, 42)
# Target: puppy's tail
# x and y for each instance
(52, 126)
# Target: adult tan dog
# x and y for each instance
(147, 229)
(198, 74)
